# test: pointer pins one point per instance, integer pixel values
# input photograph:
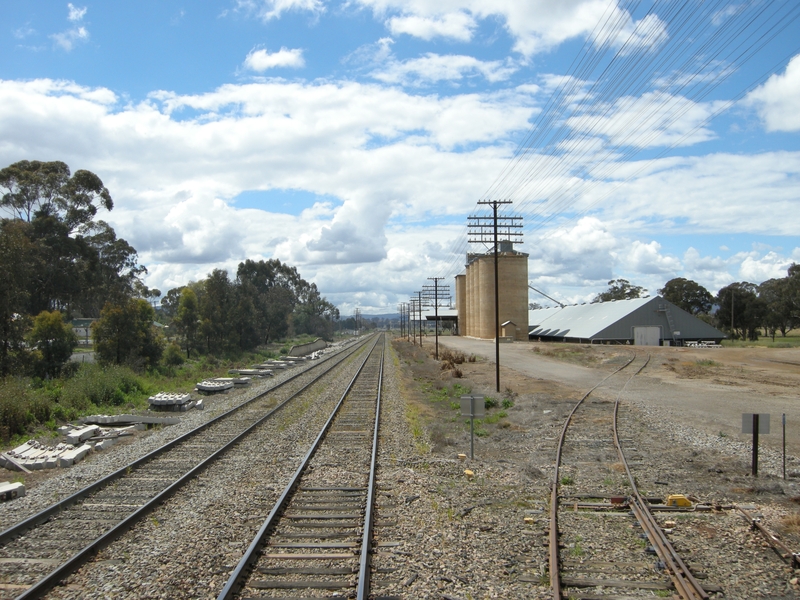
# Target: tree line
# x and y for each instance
(742, 308)
(266, 301)
(59, 261)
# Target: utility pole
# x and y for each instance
(482, 230)
(412, 306)
(419, 306)
(435, 298)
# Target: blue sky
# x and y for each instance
(353, 138)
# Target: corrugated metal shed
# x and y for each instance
(615, 321)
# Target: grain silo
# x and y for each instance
(461, 302)
(479, 307)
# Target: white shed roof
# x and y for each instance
(616, 320)
(581, 321)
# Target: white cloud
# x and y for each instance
(273, 9)
(381, 153)
(384, 162)
(67, 39)
(22, 32)
(647, 259)
(535, 25)
(778, 100)
(457, 26)
(757, 269)
(75, 13)
(261, 60)
(650, 120)
(754, 194)
(432, 68)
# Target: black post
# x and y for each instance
(419, 304)
(755, 444)
(496, 306)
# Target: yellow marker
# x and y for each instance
(469, 473)
(462, 457)
(678, 500)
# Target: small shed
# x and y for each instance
(508, 329)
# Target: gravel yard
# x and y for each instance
(468, 538)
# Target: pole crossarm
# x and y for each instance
(493, 229)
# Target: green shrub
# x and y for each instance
(96, 385)
(508, 403)
(489, 402)
(15, 398)
(173, 355)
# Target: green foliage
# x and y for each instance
(688, 295)
(741, 311)
(173, 357)
(489, 402)
(20, 406)
(54, 341)
(508, 403)
(16, 258)
(125, 334)
(567, 480)
(619, 289)
(187, 319)
(102, 385)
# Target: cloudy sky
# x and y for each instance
(353, 138)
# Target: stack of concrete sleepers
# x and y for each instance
(171, 402)
(209, 386)
(251, 372)
(236, 381)
(33, 456)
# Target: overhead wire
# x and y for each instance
(545, 154)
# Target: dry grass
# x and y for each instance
(791, 523)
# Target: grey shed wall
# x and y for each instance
(648, 315)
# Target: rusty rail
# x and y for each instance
(555, 569)
(773, 541)
(685, 583)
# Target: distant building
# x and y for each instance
(83, 329)
(640, 321)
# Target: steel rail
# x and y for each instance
(362, 591)
(66, 568)
(685, 583)
(237, 578)
(772, 540)
(555, 569)
(57, 507)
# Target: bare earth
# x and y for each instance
(709, 397)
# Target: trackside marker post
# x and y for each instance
(472, 406)
(755, 423)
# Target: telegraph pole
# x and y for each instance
(412, 334)
(482, 230)
(435, 289)
(419, 305)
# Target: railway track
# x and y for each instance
(318, 536)
(42, 550)
(590, 432)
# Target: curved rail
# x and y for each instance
(67, 567)
(239, 576)
(555, 570)
(685, 583)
